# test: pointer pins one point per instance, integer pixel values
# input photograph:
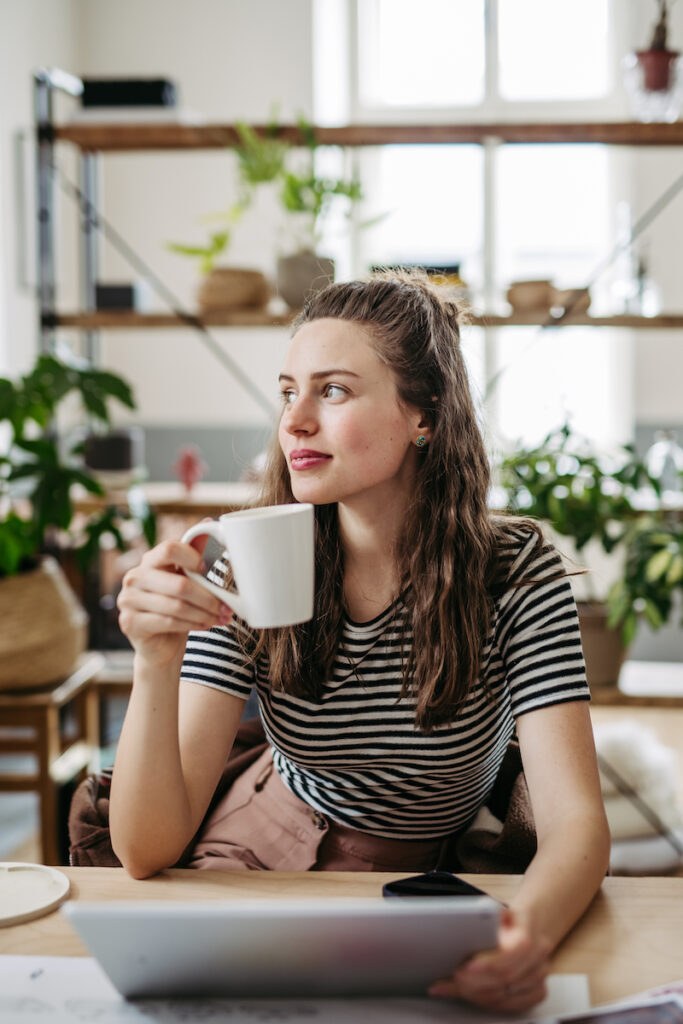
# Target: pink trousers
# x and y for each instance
(260, 825)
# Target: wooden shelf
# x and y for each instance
(237, 318)
(117, 137)
(259, 318)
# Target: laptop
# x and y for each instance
(283, 947)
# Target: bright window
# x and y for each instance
(552, 213)
(503, 213)
(430, 203)
(552, 51)
(426, 54)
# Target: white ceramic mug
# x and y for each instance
(270, 550)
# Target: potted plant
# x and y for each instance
(653, 75)
(589, 496)
(260, 160)
(307, 197)
(42, 625)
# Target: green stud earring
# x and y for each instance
(420, 441)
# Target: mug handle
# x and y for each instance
(228, 597)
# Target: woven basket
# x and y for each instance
(43, 628)
(226, 288)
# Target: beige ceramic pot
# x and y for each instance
(43, 628)
(228, 288)
(301, 274)
(530, 296)
(602, 647)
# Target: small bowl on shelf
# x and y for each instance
(530, 296)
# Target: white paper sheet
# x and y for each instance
(73, 990)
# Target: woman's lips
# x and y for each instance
(307, 458)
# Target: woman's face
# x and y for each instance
(344, 432)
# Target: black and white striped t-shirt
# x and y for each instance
(356, 756)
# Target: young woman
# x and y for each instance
(439, 630)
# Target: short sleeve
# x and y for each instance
(215, 657)
(538, 632)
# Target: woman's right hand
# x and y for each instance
(159, 605)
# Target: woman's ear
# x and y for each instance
(424, 427)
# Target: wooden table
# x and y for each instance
(205, 499)
(630, 939)
(655, 684)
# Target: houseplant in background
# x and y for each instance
(260, 161)
(653, 77)
(588, 496)
(43, 628)
(307, 196)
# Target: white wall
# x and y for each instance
(33, 34)
(231, 59)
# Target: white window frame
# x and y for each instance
(493, 106)
(495, 109)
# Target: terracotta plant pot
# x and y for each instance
(227, 288)
(602, 647)
(657, 67)
(301, 274)
(43, 628)
(530, 296)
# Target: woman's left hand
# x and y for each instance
(510, 977)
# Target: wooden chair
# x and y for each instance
(32, 722)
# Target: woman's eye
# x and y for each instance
(287, 397)
(335, 391)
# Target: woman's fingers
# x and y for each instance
(173, 585)
(510, 977)
(171, 554)
(188, 614)
(507, 998)
(156, 597)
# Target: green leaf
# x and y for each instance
(658, 565)
(8, 399)
(95, 405)
(629, 628)
(188, 250)
(87, 481)
(675, 571)
(652, 614)
(110, 385)
(17, 543)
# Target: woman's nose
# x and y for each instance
(300, 416)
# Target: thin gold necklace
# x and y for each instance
(398, 602)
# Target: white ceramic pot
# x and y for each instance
(301, 274)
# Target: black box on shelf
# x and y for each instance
(115, 296)
(128, 92)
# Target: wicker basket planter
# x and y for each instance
(43, 628)
(227, 288)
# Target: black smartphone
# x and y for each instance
(433, 883)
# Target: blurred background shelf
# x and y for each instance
(262, 318)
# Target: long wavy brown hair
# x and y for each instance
(449, 555)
